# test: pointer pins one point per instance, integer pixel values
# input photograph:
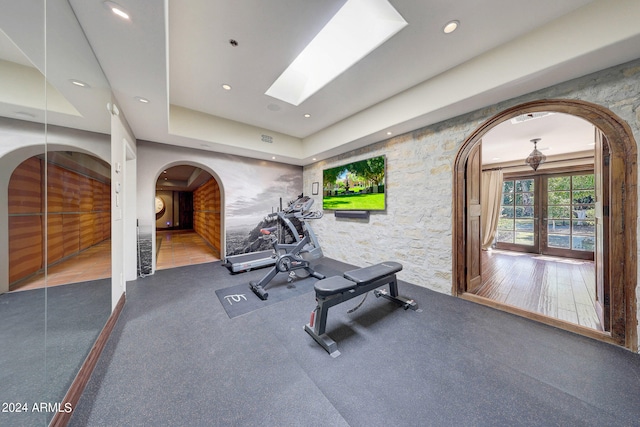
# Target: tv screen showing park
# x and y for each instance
(357, 186)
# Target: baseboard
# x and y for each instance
(61, 419)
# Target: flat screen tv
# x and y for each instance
(357, 186)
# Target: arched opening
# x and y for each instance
(59, 216)
(618, 201)
(188, 223)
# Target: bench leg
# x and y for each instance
(324, 340)
(392, 295)
(316, 328)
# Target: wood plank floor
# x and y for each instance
(178, 248)
(562, 288)
(91, 264)
(183, 247)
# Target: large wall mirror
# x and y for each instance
(55, 192)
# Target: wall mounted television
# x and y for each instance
(356, 186)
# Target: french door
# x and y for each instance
(518, 225)
(552, 214)
(568, 215)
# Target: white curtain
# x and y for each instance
(490, 197)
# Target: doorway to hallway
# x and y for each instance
(188, 217)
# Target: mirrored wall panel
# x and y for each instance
(55, 224)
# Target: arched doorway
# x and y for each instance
(188, 216)
(59, 215)
(619, 277)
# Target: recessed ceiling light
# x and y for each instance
(79, 83)
(117, 9)
(451, 27)
(314, 159)
(141, 99)
(273, 158)
(358, 28)
(389, 133)
(226, 87)
(496, 158)
(307, 115)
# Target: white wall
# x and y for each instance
(130, 226)
(122, 216)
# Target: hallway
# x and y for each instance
(182, 247)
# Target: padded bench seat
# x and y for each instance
(368, 274)
(333, 285)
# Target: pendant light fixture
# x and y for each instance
(536, 158)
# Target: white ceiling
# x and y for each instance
(177, 55)
(559, 134)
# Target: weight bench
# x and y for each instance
(335, 290)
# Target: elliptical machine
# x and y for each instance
(292, 258)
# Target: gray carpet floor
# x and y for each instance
(176, 358)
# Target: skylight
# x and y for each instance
(358, 28)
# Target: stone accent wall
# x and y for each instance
(416, 227)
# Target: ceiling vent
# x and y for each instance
(529, 116)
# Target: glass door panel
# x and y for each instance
(517, 224)
(570, 212)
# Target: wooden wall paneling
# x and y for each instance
(79, 215)
(86, 194)
(25, 246)
(99, 234)
(71, 238)
(71, 191)
(55, 237)
(206, 216)
(96, 229)
(97, 195)
(55, 188)
(108, 224)
(86, 230)
(25, 188)
(206, 229)
(195, 221)
(103, 226)
(106, 197)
